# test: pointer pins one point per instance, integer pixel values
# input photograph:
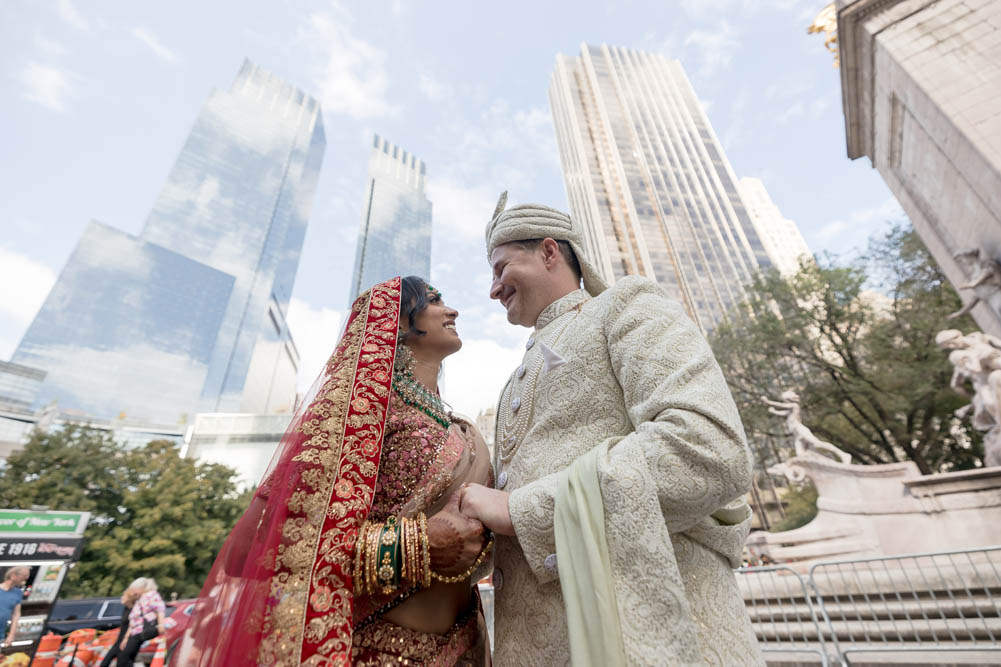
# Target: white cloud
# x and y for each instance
(733, 136)
(716, 47)
(315, 332)
(154, 44)
(47, 85)
(48, 47)
(819, 106)
(475, 375)
(68, 12)
(460, 210)
(349, 74)
(792, 111)
(24, 284)
(706, 9)
(846, 234)
(432, 89)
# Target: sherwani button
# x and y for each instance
(515, 404)
(530, 343)
(550, 564)
(498, 579)
(521, 371)
(502, 479)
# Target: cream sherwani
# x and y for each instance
(626, 368)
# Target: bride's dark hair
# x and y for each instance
(413, 301)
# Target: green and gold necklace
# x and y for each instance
(413, 392)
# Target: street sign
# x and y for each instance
(39, 549)
(27, 521)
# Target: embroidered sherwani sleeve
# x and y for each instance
(685, 424)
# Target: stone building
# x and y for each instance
(921, 90)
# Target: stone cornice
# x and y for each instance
(858, 132)
(956, 482)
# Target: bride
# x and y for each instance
(353, 550)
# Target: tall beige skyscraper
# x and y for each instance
(647, 176)
(780, 235)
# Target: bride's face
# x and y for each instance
(442, 338)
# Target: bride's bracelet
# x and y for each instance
(472, 568)
(391, 554)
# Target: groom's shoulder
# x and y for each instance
(636, 291)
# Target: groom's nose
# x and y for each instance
(496, 288)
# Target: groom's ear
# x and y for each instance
(550, 252)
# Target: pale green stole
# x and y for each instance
(586, 575)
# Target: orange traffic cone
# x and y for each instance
(161, 652)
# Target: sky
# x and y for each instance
(99, 96)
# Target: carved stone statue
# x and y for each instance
(803, 438)
(986, 280)
(791, 471)
(976, 358)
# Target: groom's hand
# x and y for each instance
(488, 505)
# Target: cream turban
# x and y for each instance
(535, 221)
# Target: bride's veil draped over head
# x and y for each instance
(280, 592)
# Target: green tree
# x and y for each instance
(153, 513)
(800, 506)
(857, 343)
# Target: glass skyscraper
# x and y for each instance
(648, 179)
(190, 315)
(395, 234)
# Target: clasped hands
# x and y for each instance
(456, 533)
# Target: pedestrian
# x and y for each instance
(146, 620)
(11, 595)
(129, 597)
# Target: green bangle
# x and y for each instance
(388, 557)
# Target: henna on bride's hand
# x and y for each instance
(444, 542)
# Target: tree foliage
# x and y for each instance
(800, 506)
(856, 341)
(154, 513)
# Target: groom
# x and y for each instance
(621, 468)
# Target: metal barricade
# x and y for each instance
(782, 611)
(938, 601)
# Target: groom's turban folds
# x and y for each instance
(534, 221)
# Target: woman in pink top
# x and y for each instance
(145, 620)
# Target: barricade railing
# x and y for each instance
(782, 611)
(947, 601)
(933, 601)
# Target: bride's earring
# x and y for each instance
(405, 362)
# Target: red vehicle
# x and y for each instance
(178, 616)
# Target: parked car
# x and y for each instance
(99, 613)
(178, 616)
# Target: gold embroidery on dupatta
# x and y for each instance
(337, 485)
(282, 630)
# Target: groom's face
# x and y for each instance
(520, 277)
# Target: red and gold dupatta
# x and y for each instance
(280, 592)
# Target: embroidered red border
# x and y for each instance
(353, 489)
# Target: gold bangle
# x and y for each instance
(472, 568)
(426, 565)
(372, 555)
(360, 559)
(403, 549)
(408, 554)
